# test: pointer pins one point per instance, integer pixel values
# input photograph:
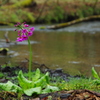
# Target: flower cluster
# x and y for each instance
(23, 31)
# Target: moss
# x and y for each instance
(42, 27)
(23, 3)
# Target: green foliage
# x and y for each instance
(48, 18)
(58, 13)
(87, 11)
(78, 83)
(55, 16)
(3, 17)
(42, 83)
(30, 91)
(95, 74)
(84, 12)
(50, 89)
(57, 81)
(38, 84)
(16, 16)
(7, 64)
(1, 75)
(97, 11)
(79, 13)
(4, 2)
(25, 16)
(81, 83)
(9, 86)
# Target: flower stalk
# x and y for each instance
(30, 58)
(24, 34)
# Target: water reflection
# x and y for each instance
(75, 52)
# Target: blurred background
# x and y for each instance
(46, 11)
(75, 48)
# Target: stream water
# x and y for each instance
(75, 49)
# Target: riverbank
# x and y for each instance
(71, 87)
(48, 12)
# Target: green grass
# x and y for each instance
(92, 83)
(73, 83)
(77, 83)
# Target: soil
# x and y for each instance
(73, 95)
(58, 95)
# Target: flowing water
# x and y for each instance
(75, 49)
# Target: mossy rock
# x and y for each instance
(24, 3)
(42, 27)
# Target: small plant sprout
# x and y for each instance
(24, 32)
(96, 76)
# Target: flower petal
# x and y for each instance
(32, 29)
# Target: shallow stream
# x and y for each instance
(75, 49)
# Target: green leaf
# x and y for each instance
(47, 78)
(23, 82)
(9, 86)
(95, 74)
(37, 75)
(49, 89)
(43, 81)
(37, 82)
(96, 81)
(32, 91)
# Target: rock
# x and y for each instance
(58, 70)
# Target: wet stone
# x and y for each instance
(63, 96)
(58, 70)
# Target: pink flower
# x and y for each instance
(30, 33)
(23, 33)
(19, 31)
(18, 24)
(24, 30)
(19, 39)
(26, 25)
(32, 29)
(24, 37)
